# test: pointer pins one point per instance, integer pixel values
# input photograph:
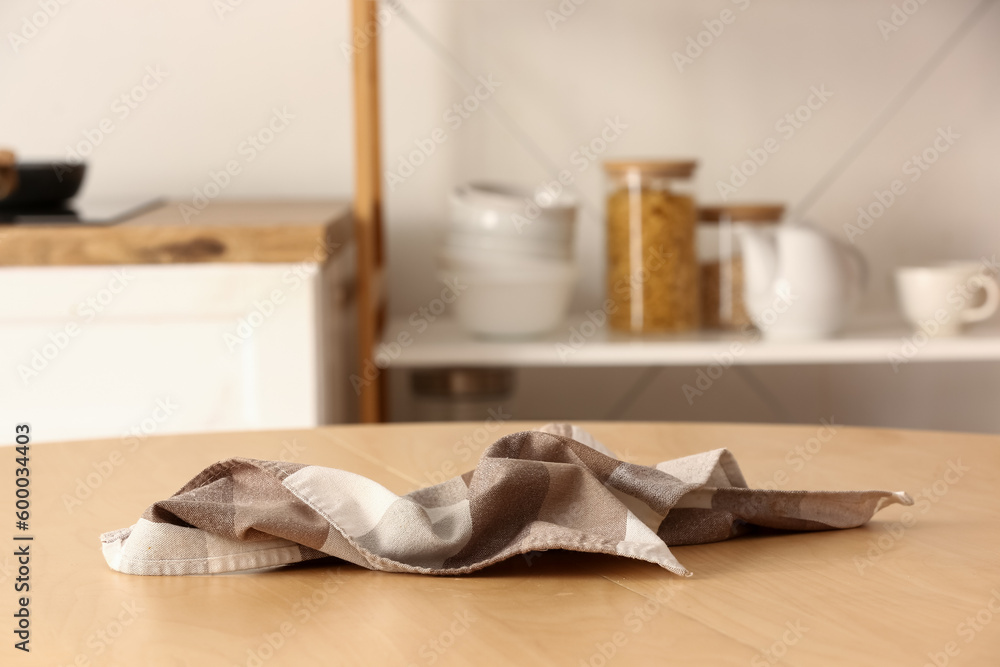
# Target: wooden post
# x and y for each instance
(368, 206)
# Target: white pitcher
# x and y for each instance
(799, 282)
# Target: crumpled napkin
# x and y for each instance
(555, 488)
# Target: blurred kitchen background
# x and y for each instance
(551, 75)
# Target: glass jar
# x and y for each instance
(721, 262)
(652, 276)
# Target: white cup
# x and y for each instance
(939, 299)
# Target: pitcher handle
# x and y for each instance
(860, 266)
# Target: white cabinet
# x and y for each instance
(129, 351)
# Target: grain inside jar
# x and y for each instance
(721, 262)
(652, 276)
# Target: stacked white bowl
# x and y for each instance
(512, 251)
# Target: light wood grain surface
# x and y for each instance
(914, 586)
(224, 231)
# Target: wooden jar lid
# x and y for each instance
(742, 213)
(673, 168)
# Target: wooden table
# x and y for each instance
(906, 589)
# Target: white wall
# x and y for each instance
(223, 77)
(609, 59)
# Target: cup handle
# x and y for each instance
(985, 311)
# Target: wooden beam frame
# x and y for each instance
(368, 208)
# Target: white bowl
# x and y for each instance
(500, 210)
(501, 302)
(520, 267)
(461, 242)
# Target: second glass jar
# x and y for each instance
(721, 262)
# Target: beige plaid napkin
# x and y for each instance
(556, 488)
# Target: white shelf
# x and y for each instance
(444, 343)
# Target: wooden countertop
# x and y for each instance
(918, 584)
(224, 231)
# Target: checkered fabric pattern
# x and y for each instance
(555, 488)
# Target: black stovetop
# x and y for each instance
(83, 211)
